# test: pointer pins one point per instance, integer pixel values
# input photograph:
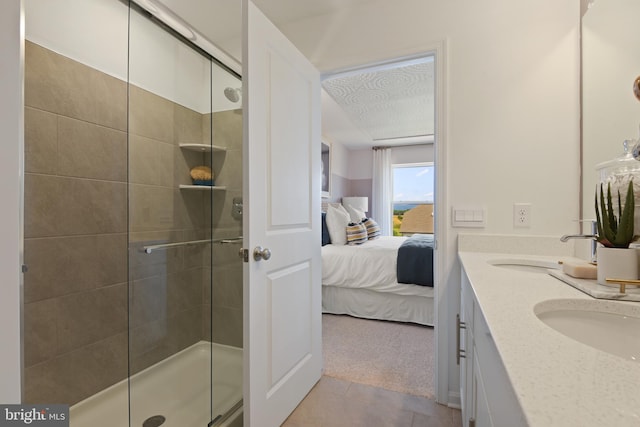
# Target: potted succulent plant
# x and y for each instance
(615, 233)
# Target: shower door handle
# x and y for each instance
(261, 253)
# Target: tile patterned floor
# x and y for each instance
(338, 403)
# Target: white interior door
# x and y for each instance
(282, 321)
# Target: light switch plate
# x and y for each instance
(469, 216)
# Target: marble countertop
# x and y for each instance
(558, 381)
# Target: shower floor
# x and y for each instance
(177, 388)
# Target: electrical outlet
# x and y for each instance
(522, 215)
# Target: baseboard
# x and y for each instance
(454, 400)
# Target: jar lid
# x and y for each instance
(624, 162)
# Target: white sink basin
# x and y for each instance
(608, 326)
(524, 264)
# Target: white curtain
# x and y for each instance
(382, 197)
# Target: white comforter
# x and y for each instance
(371, 265)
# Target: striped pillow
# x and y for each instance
(373, 229)
(356, 234)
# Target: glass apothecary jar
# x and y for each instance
(618, 172)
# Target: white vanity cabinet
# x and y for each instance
(475, 410)
(486, 393)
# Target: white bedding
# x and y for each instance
(371, 265)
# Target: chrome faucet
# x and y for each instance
(593, 237)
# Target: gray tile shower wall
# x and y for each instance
(165, 291)
(81, 218)
(75, 218)
(59, 85)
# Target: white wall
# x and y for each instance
(78, 29)
(512, 103)
(11, 174)
(512, 96)
(360, 164)
(95, 33)
(339, 159)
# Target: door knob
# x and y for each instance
(261, 253)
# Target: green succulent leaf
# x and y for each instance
(612, 215)
(625, 228)
(615, 231)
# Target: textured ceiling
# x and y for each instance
(388, 102)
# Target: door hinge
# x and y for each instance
(244, 254)
(24, 268)
(472, 422)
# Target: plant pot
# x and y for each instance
(617, 263)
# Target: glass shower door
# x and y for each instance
(185, 228)
(170, 228)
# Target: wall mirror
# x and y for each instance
(610, 66)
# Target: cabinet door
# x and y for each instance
(481, 405)
(503, 404)
(466, 344)
(464, 367)
(466, 378)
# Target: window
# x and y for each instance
(413, 198)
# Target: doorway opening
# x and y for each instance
(393, 106)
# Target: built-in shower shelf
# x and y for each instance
(203, 187)
(202, 147)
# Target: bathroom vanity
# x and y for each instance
(516, 370)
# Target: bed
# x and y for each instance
(362, 281)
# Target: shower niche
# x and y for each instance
(133, 298)
(204, 148)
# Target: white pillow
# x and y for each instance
(356, 214)
(340, 207)
(337, 221)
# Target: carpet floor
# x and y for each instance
(390, 355)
